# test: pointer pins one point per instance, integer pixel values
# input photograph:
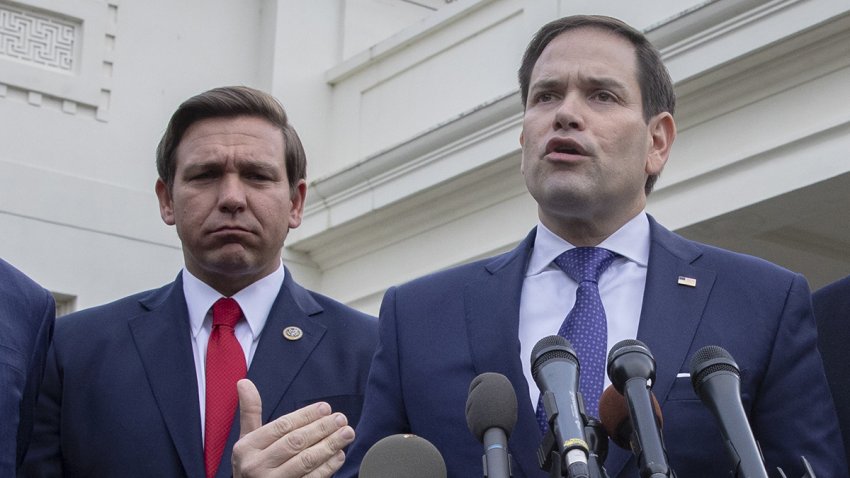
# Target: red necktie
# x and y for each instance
(225, 366)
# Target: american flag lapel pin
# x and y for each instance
(687, 281)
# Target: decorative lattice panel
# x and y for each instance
(38, 38)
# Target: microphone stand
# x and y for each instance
(551, 460)
(597, 442)
(810, 473)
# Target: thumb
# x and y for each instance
(250, 407)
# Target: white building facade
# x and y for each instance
(410, 115)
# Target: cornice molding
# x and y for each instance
(422, 163)
(347, 209)
(428, 26)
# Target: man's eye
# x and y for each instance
(545, 97)
(201, 176)
(604, 96)
(257, 177)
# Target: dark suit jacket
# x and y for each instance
(438, 332)
(832, 311)
(26, 324)
(120, 395)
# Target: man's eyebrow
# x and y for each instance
(202, 165)
(547, 84)
(606, 82)
(258, 166)
(594, 82)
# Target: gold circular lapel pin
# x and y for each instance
(292, 333)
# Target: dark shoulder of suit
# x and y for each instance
(26, 325)
(832, 312)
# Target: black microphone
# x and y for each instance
(403, 455)
(614, 413)
(631, 369)
(717, 382)
(555, 369)
(491, 415)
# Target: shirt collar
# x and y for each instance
(256, 300)
(630, 241)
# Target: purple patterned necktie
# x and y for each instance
(585, 326)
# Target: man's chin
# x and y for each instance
(233, 265)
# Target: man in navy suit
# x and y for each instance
(26, 325)
(832, 311)
(597, 131)
(130, 386)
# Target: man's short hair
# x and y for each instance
(230, 102)
(656, 87)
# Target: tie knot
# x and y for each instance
(585, 264)
(226, 311)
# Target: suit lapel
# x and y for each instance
(670, 315)
(492, 318)
(163, 342)
(277, 361)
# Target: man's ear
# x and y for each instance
(296, 203)
(662, 133)
(522, 144)
(166, 204)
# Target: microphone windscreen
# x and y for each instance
(630, 359)
(614, 415)
(491, 403)
(548, 348)
(708, 360)
(403, 455)
(624, 345)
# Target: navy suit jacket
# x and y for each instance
(438, 332)
(832, 311)
(120, 394)
(26, 324)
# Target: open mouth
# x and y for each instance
(567, 150)
(567, 146)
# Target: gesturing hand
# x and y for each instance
(305, 443)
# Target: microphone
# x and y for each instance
(614, 413)
(491, 411)
(597, 442)
(631, 369)
(555, 369)
(403, 455)
(717, 382)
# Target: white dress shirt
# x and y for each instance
(548, 293)
(256, 301)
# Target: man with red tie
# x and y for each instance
(147, 385)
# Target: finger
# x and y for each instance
(322, 459)
(250, 407)
(299, 452)
(268, 434)
(303, 438)
(329, 467)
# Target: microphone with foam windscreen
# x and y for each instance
(555, 369)
(631, 368)
(717, 382)
(491, 411)
(403, 455)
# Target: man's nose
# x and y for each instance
(231, 197)
(570, 112)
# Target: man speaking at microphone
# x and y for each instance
(597, 131)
